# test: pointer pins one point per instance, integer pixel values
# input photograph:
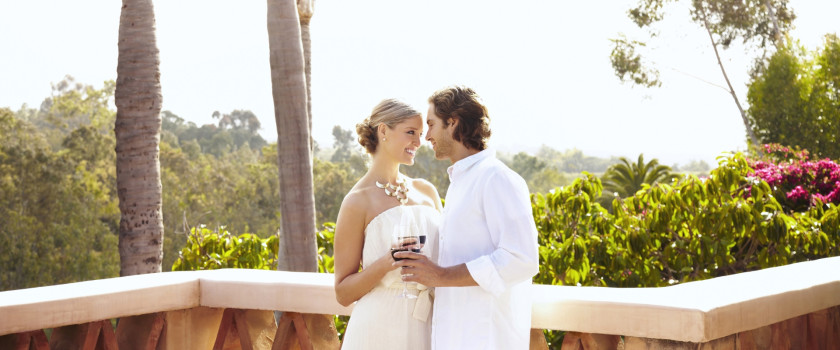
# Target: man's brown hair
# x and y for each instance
(463, 103)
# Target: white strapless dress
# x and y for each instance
(382, 319)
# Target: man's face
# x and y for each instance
(440, 135)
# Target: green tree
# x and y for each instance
(233, 131)
(55, 205)
(537, 174)
(238, 120)
(344, 145)
(573, 160)
(795, 98)
(627, 178)
(237, 191)
(526, 165)
(334, 178)
(173, 123)
(546, 180)
(761, 22)
(71, 105)
(695, 166)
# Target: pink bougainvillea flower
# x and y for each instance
(798, 180)
(798, 193)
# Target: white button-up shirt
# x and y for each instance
(488, 224)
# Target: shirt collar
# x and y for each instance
(461, 166)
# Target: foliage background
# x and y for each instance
(58, 197)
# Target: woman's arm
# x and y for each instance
(350, 283)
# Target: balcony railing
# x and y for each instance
(789, 307)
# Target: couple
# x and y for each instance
(481, 251)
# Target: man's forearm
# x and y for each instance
(457, 276)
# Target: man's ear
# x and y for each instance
(453, 122)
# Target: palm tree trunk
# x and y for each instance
(306, 9)
(290, 89)
(288, 84)
(750, 132)
(137, 128)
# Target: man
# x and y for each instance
(487, 242)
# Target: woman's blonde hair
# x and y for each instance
(389, 112)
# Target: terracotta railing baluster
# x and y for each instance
(234, 322)
(241, 325)
(291, 326)
(571, 341)
(109, 336)
(537, 341)
(28, 340)
(301, 331)
(141, 332)
(283, 335)
(89, 336)
(156, 332)
(224, 329)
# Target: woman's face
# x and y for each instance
(402, 142)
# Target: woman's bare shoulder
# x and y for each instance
(357, 198)
(428, 190)
(423, 185)
(363, 201)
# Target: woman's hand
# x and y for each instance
(386, 262)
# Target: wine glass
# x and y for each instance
(405, 238)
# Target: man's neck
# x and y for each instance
(461, 152)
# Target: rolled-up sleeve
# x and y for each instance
(507, 209)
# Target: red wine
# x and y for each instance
(395, 250)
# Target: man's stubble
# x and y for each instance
(443, 146)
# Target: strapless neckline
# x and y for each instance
(391, 209)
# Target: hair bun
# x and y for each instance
(367, 134)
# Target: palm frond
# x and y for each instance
(627, 178)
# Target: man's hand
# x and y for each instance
(418, 268)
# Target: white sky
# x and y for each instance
(542, 66)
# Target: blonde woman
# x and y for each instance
(383, 198)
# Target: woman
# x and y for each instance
(381, 200)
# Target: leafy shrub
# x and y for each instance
(209, 250)
(690, 230)
(325, 239)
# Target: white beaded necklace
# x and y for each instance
(397, 191)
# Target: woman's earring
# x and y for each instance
(384, 139)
